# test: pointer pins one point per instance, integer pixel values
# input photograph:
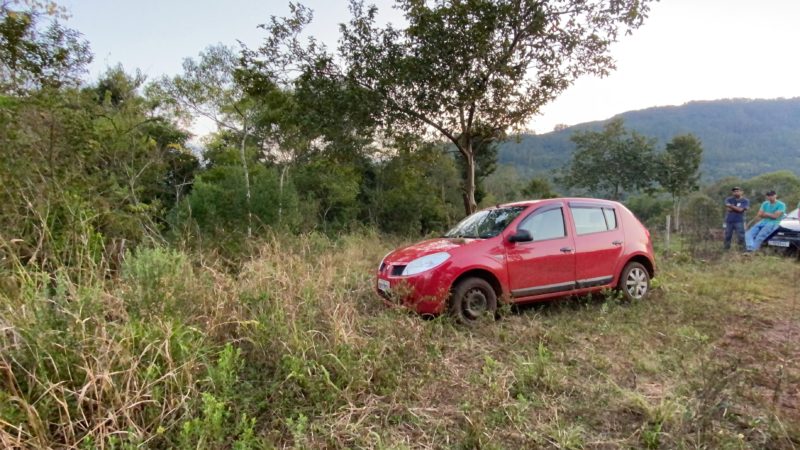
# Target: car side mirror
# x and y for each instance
(521, 236)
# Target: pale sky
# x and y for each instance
(686, 50)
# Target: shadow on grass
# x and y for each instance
(561, 305)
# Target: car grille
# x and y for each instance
(787, 234)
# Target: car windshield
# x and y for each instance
(485, 224)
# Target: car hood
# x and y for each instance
(407, 254)
(791, 221)
(791, 224)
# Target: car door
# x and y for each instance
(546, 264)
(599, 242)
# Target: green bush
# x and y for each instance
(158, 281)
(218, 201)
(651, 210)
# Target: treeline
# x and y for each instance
(89, 170)
(389, 132)
(735, 134)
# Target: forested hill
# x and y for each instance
(740, 137)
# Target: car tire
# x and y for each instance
(634, 282)
(473, 299)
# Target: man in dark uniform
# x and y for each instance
(735, 206)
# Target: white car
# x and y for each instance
(787, 235)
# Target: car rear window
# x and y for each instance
(593, 220)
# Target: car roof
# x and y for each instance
(526, 203)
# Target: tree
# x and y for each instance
(538, 188)
(208, 88)
(503, 185)
(84, 168)
(33, 56)
(461, 63)
(418, 190)
(678, 170)
(484, 145)
(611, 162)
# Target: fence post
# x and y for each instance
(666, 249)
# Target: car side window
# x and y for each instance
(545, 225)
(592, 220)
(611, 218)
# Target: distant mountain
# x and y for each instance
(740, 137)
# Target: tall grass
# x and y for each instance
(289, 347)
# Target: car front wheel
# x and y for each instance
(472, 299)
(634, 282)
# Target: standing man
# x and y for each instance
(771, 213)
(735, 205)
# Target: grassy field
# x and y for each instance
(290, 348)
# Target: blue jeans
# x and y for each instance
(730, 227)
(756, 235)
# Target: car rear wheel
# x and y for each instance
(634, 282)
(472, 299)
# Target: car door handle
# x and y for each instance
(566, 250)
(617, 243)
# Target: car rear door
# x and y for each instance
(599, 242)
(545, 265)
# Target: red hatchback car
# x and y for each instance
(522, 252)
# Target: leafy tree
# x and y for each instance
(611, 162)
(419, 192)
(458, 64)
(678, 170)
(539, 188)
(34, 55)
(209, 88)
(503, 185)
(333, 187)
(650, 209)
(217, 202)
(485, 147)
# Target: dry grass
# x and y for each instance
(291, 348)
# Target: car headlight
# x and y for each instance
(380, 266)
(425, 263)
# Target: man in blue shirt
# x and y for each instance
(735, 205)
(771, 213)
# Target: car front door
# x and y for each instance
(546, 264)
(599, 242)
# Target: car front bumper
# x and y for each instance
(425, 293)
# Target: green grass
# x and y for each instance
(291, 348)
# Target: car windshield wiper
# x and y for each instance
(461, 236)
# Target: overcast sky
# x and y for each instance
(687, 50)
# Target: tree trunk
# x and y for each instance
(280, 194)
(470, 206)
(243, 156)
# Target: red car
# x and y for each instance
(522, 252)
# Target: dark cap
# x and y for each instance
(770, 192)
(736, 188)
